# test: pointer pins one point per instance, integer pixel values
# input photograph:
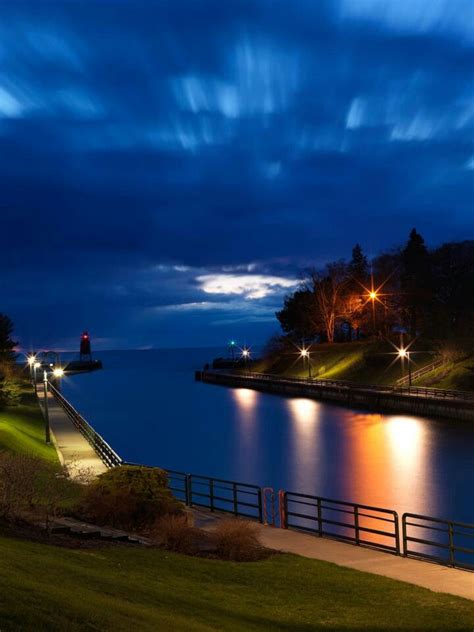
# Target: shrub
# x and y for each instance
(175, 533)
(129, 497)
(237, 540)
(32, 487)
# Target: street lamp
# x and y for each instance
(402, 354)
(245, 356)
(46, 408)
(232, 349)
(36, 366)
(31, 362)
(304, 353)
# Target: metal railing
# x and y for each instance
(216, 494)
(427, 392)
(351, 522)
(108, 456)
(443, 541)
(240, 499)
(420, 372)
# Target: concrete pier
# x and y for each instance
(74, 451)
(386, 399)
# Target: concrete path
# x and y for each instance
(74, 451)
(428, 575)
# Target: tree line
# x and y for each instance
(9, 386)
(410, 288)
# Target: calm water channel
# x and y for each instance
(147, 405)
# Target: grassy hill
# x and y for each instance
(22, 428)
(376, 363)
(48, 588)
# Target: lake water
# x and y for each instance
(147, 405)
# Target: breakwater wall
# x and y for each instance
(413, 401)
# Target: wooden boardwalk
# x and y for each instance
(74, 451)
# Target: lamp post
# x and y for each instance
(58, 373)
(232, 349)
(304, 353)
(245, 357)
(46, 408)
(402, 354)
(36, 366)
(31, 362)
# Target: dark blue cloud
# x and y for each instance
(146, 146)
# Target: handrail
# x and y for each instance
(108, 456)
(420, 372)
(446, 548)
(358, 523)
(427, 392)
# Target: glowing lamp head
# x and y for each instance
(31, 360)
(402, 353)
(245, 353)
(232, 343)
(304, 353)
(373, 295)
(37, 365)
(58, 372)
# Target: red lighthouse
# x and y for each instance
(85, 347)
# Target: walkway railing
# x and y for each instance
(351, 522)
(346, 385)
(109, 457)
(403, 381)
(443, 541)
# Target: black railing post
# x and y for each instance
(285, 510)
(211, 493)
(186, 491)
(260, 508)
(234, 495)
(356, 524)
(189, 485)
(451, 544)
(404, 535)
(320, 518)
(397, 532)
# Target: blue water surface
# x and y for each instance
(148, 406)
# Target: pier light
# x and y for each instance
(304, 353)
(36, 365)
(245, 353)
(402, 353)
(373, 295)
(31, 360)
(58, 372)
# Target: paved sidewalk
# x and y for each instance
(428, 575)
(74, 451)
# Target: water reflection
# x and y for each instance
(304, 454)
(387, 463)
(246, 401)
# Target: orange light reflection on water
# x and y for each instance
(305, 448)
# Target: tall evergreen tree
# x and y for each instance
(7, 344)
(416, 282)
(358, 265)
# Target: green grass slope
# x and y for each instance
(46, 588)
(22, 428)
(364, 362)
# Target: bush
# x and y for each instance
(175, 533)
(31, 487)
(237, 540)
(129, 497)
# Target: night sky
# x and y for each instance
(169, 168)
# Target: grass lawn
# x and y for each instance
(48, 588)
(22, 428)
